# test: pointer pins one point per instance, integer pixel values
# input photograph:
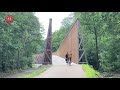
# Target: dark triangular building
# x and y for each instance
(47, 58)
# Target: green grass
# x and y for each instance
(33, 74)
(90, 72)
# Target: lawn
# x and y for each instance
(90, 72)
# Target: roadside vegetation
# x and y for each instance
(90, 72)
(35, 73)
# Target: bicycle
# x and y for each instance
(69, 62)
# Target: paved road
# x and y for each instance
(60, 69)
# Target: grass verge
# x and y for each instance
(35, 73)
(90, 72)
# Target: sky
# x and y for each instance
(57, 18)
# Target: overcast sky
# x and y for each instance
(56, 19)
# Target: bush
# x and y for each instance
(26, 63)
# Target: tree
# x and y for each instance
(19, 40)
(92, 22)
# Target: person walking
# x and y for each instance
(70, 57)
(66, 57)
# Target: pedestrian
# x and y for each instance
(66, 57)
(70, 57)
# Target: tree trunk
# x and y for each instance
(97, 59)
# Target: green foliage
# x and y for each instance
(107, 25)
(90, 72)
(59, 35)
(19, 40)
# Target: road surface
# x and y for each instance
(60, 69)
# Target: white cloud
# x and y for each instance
(56, 19)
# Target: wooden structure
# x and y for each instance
(47, 58)
(73, 42)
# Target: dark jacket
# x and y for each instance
(66, 55)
